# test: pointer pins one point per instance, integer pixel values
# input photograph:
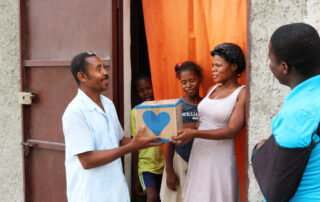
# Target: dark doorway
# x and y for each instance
(139, 60)
(139, 49)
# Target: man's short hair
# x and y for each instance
(79, 64)
(298, 45)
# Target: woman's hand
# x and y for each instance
(184, 136)
(198, 123)
(172, 180)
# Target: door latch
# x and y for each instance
(26, 98)
(26, 148)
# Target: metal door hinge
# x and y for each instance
(26, 98)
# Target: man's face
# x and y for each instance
(97, 75)
(275, 67)
(144, 89)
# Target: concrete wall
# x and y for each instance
(266, 94)
(312, 13)
(11, 172)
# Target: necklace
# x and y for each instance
(215, 97)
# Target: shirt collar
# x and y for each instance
(313, 82)
(85, 98)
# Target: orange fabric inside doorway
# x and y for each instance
(181, 30)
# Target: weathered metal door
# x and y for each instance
(52, 32)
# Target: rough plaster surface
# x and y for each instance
(11, 172)
(266, 94)
(313, 15)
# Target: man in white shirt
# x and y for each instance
(94, 137)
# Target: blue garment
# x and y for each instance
(189, 115)
(189, 112)
(148, 180)
(293, 126)
(87, 127)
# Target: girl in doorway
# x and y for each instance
(175, 172)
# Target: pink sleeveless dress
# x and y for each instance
(212, 170)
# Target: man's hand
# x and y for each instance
(172, 180)
(184, 136)
(138, 142)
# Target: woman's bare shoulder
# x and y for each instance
(242, 94)
(210, 89)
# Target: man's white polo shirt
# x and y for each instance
(87, 127)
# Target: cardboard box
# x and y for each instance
(162, 118)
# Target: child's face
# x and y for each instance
(190, 82)
(144, 89)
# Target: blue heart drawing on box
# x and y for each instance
(156, 123)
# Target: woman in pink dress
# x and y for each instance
(212, 171)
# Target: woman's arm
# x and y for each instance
(236, 123)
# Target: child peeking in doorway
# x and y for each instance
(148, 163)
